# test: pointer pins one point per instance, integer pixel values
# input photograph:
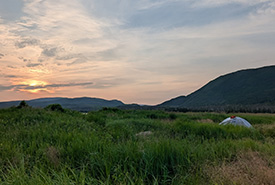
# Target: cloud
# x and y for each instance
(12, 67)
(50, 52)
(78, 61)
(55, 85)
(146, 43)
(11, 76)
(21, 87)
(24, 59)
(4, 88)
(69, 56)
(171, 15)
(54, 34)
(47, 50)
(109, 54)
(58, 25)
(218, 3)
(110, 82)
(27, 42)
(33, 64)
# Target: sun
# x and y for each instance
(34, 86)
(35, 83)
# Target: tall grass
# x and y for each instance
(65, 147)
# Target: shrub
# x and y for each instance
(55, 107)
(22, 104)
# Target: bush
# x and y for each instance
(22, 104)
(55, 107)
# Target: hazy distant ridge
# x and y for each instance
(79, 104)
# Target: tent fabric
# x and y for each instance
(234, 120)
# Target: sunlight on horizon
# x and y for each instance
(36, 86)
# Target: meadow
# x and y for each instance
(112, 146)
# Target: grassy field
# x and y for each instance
(111, 146)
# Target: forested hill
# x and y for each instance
(244, 87)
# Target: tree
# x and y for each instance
(22, 104)
(55, 107)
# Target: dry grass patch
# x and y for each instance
(206, 121)
(249, 168)
(53, 156)
(268, 130)
(265, 126)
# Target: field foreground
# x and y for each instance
(112, 146)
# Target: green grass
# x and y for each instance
(41, 146)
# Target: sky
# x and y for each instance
(136, 51)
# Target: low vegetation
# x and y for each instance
(112, 146)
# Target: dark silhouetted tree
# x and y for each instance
(22, 104)
(55, 107)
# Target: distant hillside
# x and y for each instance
(135, 106)
(79, 104)
(245, 87)
(175, 102)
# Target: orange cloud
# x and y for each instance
(34, 86)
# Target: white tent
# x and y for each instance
(234, 120)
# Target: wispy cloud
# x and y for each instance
(142, 44)
(33, 64)
(24, 87)
(27, 42)
(217, 3)
(9, 76)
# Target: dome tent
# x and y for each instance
(234, 120)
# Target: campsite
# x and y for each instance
(113, 146)
(137, 92)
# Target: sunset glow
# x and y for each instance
(36, 86)
(136, 51)
(35, 91)
(35, 83)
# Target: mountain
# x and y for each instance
(250, 87)
(244, 87)
(80, 104)
(174, 102)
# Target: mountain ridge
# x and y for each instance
(243, 87)
(83, 104)
(247, 87)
